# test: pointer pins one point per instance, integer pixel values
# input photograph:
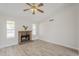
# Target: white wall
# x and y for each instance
(77, 24)
(62, 30)
(78, 28)
(4, 42)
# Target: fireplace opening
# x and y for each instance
(25, 38)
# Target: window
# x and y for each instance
(34, 29)
(10, 29)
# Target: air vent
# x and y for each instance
(51, 20)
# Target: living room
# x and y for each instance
(54, 27)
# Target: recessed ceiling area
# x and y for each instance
(15, 10)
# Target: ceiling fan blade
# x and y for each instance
(33, 4)
(41, 4)
(26, 9)
(40, 11)
(28, 4)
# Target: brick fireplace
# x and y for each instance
(24, 36)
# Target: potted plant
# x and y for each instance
(25, 27)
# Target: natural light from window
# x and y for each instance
(34, 29)
(10, 29)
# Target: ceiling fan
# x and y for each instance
(34, 7)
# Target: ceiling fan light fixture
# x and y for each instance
(33, 11)
(35, 7)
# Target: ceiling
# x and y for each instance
(15, 10)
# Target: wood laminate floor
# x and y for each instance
(37, 48)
